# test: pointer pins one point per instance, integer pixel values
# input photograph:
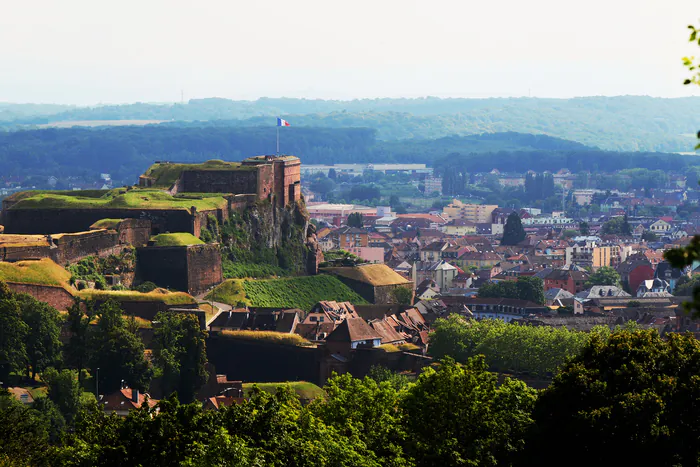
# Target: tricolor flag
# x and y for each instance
(281, 122)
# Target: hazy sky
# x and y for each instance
(94, 51)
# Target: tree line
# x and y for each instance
(625, 398)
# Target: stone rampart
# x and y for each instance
(192, 269)
(56, 296)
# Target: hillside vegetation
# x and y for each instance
(293, 292)
(176, 239)
(41, 272)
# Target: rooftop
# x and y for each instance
(373, 274)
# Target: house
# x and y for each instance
(477, 213)
(571, 280)
(22, 395)
(653, 288)
(598, 291)
(505, 309)
(635, 270)
(440, 272)
(433, 251)
(555, 295)
(217, 402)
(123, 401)
(670, 274)
(475, 259)
(459, 227)
(426, 290)
(352, 334)
(258, 319)
(346, 237)
(660, 227)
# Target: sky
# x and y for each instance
(97, 52)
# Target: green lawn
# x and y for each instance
(269, 336)
(176, 239)
(166, 174)
(158, 295)
(42, 272)
(106, 224)
(117, 199)
(293, 292)
(304, 389)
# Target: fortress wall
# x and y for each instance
(20, 253)
(203, 267)
(57, 297)
(291, 182)
(266, 181)
(47, 221)
(165, 266)
(73, 247)
(219, 181)
(134, 232)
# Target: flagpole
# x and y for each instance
(278, 137)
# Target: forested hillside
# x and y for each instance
(125, 152)
(627, 123)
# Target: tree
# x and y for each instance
(617, 226)
(43, 333)
(513, 232)
(584, 228)
(322, 186)
(604, 276)
(24, 434)
(484, 424)
(531, 289)
(626, 400)
(693, 66)
(65, 391)
(403, 295)
(650, 237)
(355, 220)
(180, 353)
(116, 351)
(331, 174)
(13, 334)
(80, 315)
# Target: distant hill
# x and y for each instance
(625, 123)
(125, 152)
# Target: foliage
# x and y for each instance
(94, 268)
(156, 295)
(64, 391)
(685, 286)
(180, 353)
(43, 344)
(24, 434)
(692, 65)
(535, 350)
(650, 237)
(293, 292)
(340, 258)
(584, 228)
(617, 226)
(13, 333)
(43, 272)
(355, 220)
(604, 276)
(269, 336)
(513, 232)
(403, 295)
(145, 287)
(498, 416)
(233, 270)
(681, 258)
(524, 288)
(626, 400)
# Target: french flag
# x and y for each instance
(281, 122)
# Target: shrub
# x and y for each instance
(145, 287)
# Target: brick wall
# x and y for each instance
(134, 232)
(57, 297)
(203, 267)
(224, 181)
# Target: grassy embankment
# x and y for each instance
(304, 389)
(119, 198)
(166, 175)
(176, 239)
(106, 224)
(293, 292)
(46, 272)
(271, 337)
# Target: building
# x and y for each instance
(337, 214)
(349, 237)
(476, 213)
(433, 252)
(440, 272)
(592, 255)
(123, 401)
(459, 228)
(654, 288)
(376, 283)
(571, 280)
(352, 334)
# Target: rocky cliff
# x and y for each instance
(266, 234)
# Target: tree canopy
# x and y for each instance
(513, 232)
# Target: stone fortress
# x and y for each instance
(170, 198)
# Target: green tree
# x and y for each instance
(331, 174)
(77, 351)
(23, 433)
(13, 334)
(604, 276)
(322, 186)
(180, 354)
(626, 400)
(650, 237)
(117, 352)
(584, 228)
(531, 289)
(403, 295)
(617, 226)
(355, 220)
(65, 391)
(692, 65)
(43, 333)
(681, 258)
(513, 232)
(483, 424)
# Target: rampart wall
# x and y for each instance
(57, 297)
(219, 181)
(47, 221)
(192, 269)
